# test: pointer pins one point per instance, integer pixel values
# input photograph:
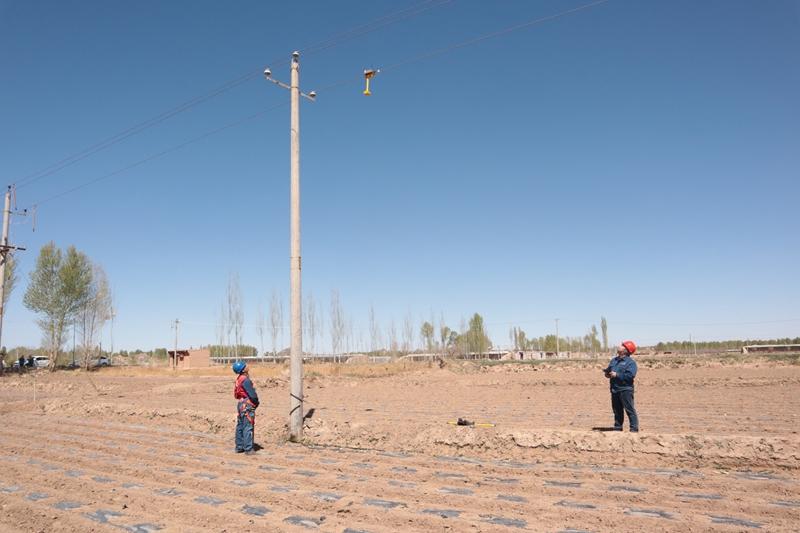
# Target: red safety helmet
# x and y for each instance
(630, 346)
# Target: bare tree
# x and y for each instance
(319, 324)
(260, 327)
(374, 331)
(444, 333)
(235, 312)
(408, 333)
(349, 337)
(310, 311)
(222, 328)
(361, 345)
(275, 319)
(95, 312)
(392, 338)
(337, 322)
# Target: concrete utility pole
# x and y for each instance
(5, 253)
(556, 338)
(174, 360)
(296, 321)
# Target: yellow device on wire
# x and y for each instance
(368, 75)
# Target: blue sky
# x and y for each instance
(637, 160)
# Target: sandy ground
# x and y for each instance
(146, 451)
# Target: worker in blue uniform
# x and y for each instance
(246, 405)
(621, 373)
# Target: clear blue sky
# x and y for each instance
(637, 160)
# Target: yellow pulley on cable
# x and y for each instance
(368, 75)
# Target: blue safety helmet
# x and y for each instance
(239, 366)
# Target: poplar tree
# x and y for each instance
(426, 332)
(604, 331)
(11, 277)
(59, 287)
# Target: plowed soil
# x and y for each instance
(124, 449)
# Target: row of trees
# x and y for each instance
(687, 346)
(66, 289)
(223, 350)
(473, 339)
(339, 329)
(230, 323)
(592, 341)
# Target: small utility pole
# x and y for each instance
(111, 353)
(296, 347)
(174, 360)
(556, 338)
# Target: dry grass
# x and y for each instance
(367, 370)
(271, 370)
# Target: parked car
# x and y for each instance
(102, 361)
(40, 361)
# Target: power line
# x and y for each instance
(493, 35)
(347, 35)
(130, 132)
(331, 42)
(660, 324)
(160, 154)
(375, 25)
(470, 42)
(707, 324)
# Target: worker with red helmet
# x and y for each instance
(247, 402)
(621, 372)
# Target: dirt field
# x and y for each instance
(149, 450)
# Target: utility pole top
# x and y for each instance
(312, 95)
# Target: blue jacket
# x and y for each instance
(251, 391)
(625, 368)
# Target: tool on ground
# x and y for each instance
(470, 423)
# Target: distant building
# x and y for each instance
(771, 348)
(190, 358)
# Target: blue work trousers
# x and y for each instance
(245, 425)
(621, 403)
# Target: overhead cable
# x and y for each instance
(162, 153)
(446, 49)
(421, 57)
(335, 40)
